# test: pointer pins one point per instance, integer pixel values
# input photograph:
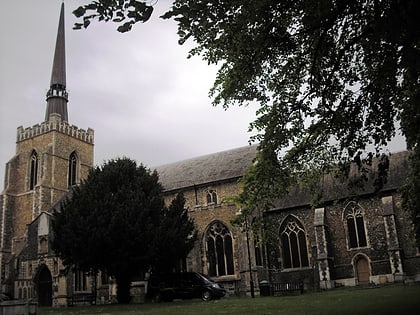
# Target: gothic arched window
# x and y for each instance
(219, 250)
(353, 216)
(72, 175)
(33, 172)
(293, 243)
(212, 197)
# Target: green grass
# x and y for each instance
(397, 299)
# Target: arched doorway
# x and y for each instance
(43, 282)
(362, 270)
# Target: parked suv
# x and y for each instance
(184, 285)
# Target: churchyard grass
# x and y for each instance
(395, 299)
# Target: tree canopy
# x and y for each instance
(176, 235)
(334, 80)
(116, 222)
(128, 11)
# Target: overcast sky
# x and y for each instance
(138, 91)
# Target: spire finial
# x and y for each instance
(57, 96)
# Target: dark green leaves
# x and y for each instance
(116, 221)
(109, 220)
(176, 235)
(128, 11)
(333, 78)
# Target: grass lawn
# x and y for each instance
(396, 299)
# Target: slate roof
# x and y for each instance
(335, 189)
(211, 168)
(232, 164)
(58, 74)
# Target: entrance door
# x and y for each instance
(362, 269)
(44, 287)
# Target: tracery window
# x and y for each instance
(212, 197)
(219, 250)
(353, 216)
(293, 244)
(33, 172)
(72, 174)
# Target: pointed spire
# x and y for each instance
(57, 96)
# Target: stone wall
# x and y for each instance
(390, 251)
(204, 214)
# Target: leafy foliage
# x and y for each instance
(333, 80)
(110, 223)
(411, 193)
(176, 235)
(127, 11)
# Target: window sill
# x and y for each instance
(358, 248)
(296, 269)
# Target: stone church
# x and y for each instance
(357, 237)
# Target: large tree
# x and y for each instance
(176, 236)
(111, 222)
(335, 79)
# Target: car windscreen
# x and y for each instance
(205, 279)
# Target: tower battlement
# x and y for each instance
(55, 123)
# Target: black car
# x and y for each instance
(184, 285)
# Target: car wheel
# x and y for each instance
(206, 295)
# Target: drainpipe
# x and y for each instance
(251, 280)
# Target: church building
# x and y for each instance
(355, 237)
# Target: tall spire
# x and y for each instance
(57, 96)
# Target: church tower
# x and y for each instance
(50, 158)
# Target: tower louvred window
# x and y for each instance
(72, 174)
(33, 176)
